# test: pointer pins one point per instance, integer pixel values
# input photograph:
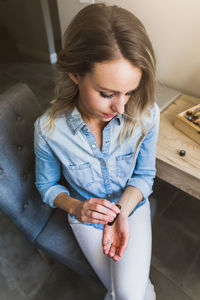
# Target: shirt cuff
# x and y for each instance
(52, 193)
(141, 185)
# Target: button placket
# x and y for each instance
(103, 163)
(105, 175)
(92, 143)
(105, 171)
(102, 156)
(106, 140)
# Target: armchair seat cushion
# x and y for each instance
(58, 241)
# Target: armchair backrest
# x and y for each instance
(19, 199)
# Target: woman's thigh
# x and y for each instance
(90, 242)
(130, 276)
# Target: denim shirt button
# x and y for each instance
(103, 163)
(106, 181)
(93, 146)
(109, 196)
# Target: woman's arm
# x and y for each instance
(145, 169)
(129, 200)
(138, 188)
(47, 169)
(93, 210)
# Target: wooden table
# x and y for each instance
(180, 171)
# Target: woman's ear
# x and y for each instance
(74, 77)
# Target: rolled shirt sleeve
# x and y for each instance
(47, 169)
(145, 170)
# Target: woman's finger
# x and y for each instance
(95, 221)
(112, 250)
(103, 210)
(116, 257)
(105, 203)
(88, 215)
(95, 210)
(106, 247)
(99, 216)
(106, 240)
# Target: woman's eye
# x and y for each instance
(106, 96)
(129, 94)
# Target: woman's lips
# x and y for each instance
(109, 116)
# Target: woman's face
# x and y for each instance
(104, 92)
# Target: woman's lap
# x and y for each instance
(128, 278)
(131, 273)
(90, 241)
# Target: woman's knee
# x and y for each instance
(135, 292)
(150, 292)
(127, 293)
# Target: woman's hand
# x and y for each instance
(116, 237)
(95, 210)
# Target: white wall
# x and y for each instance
(174, 28)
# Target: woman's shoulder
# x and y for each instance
(45, 126)
(152, 116)
(154, 111)
(40, 123)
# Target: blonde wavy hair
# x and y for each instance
(100, 33)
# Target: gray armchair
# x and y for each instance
(46, 228)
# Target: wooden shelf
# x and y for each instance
(180, 171)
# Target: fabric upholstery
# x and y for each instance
(19, 198)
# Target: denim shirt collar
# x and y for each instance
(76, 122)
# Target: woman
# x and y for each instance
(100, 133)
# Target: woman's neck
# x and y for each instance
(90, 121)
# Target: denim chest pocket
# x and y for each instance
(81, 175)
(124, 164)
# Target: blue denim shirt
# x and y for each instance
(90, 172)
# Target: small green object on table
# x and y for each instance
(182, 152)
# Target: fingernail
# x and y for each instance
(118, 211)
(116, 260)
(113, 215)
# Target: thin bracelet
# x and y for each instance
(111, 223)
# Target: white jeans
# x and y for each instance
(127, 279)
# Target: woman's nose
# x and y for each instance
(118, 105)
